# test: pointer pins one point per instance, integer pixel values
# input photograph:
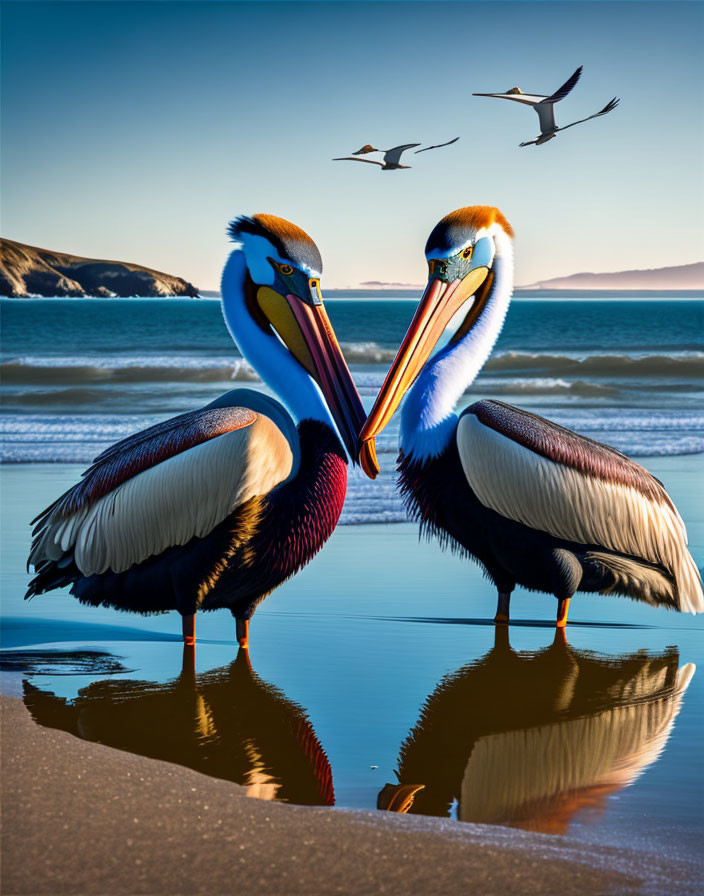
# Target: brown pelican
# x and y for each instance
(529, 739)
(391, 156)
(535, 504)
(544, 106)
(226, 722)
(217, 507)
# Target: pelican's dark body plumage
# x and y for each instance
(215, 508)
(439, 497)
(536, 504)
(245, 557)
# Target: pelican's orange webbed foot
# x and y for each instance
(188, 626)
(563, 607)
(243, 633)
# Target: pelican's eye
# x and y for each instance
(315, 296)
(285, 269)
(467, 253)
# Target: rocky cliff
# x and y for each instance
(29, 271)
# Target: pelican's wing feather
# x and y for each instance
(609, 107)
(354, 159)
(162, 487)
(529, 99)
(392, 156)
(562, 92)
(437, 146)
(537, 473)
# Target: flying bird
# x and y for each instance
(534, 503)
(392, 157)
(544, 106)
(217, 507)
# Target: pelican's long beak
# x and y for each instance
(330, 371)
(439, 303)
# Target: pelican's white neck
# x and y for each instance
(428, 418)
(266, 353)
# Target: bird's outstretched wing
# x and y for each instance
(159, 488)
(529, 99)
(437, 146)
(355, 159)
(609, 107)
(392, 156)
(535, 472)
(562, 92)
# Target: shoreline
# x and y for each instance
(88, 819)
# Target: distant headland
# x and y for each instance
(685, 276)
(28, 271)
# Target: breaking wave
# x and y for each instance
(183, 368)
(685, 364)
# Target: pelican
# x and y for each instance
(544, 106)
(391, 156)
(217, 507)
(528, 739)
(534, 503)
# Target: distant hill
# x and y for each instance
(29, 271)
(685, 276)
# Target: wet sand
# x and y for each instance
(82, 818)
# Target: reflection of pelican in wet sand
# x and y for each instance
(528, 739)
(227, 723)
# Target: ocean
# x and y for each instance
(378, 663)
(79, 374)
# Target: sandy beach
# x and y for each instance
(86, 819)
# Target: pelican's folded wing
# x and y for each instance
(162, 487)
(537, 473)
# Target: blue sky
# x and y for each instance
(137, 130)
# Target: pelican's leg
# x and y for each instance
(242, 628)
(567, 576)
(188, 625)
(501, 617)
